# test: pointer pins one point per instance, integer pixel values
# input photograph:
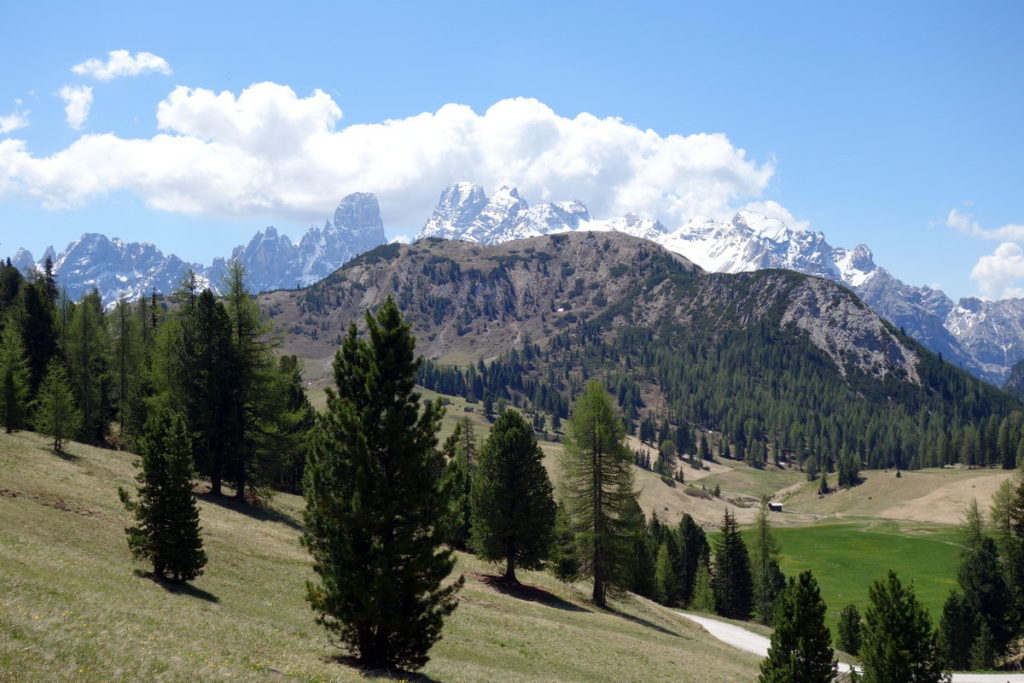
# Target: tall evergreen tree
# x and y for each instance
(563, 560)
(513, 511)
(376, 511)
(703, 599)
(55, 413)
(599, 490)
(14, 377)
(88, 358)
(958, 628)
(899, 644)
(848, 630)
(167, 531)
(981, 579)
(800, 650)
(767, 576)
(38, 329)
(693, 545)
(459, 481)
(664, 576)
(732, 581)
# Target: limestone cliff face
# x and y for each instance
(468, 300)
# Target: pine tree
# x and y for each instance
(983, 649)
(376, 510)
(513, 511)
(800, 647)
(599, 490)
(167, 531)
(767, 576)
(14, 377)
(664, 576)
(732, 581)
(458, 479)
(693, 545)
(703, 593)
(958, 628)
(55, 413)
(848, 630)
(899, 644)
(563, 560)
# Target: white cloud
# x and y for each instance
(401, 239)
(269, 151)
(122, 63)
(13, 121)
(77, 102)
(773, 209)
(965, 223)
(998, 274)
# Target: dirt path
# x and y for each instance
(748, 641)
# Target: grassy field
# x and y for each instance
(73, 608)
(847, 557)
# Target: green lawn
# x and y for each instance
(847, 557)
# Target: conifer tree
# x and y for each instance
(703, 593)
(563, 560)
(513, 511)
(800, 647)
(848, 630)
(732, 581)
(599, 490)
(460, 450)
(167, 531)
(693, 546)
(664, 576)
(376, 511)
(767, 576)
(981, 579)
(958, 628)
(88, 364)
(55, 413)
(14, 377)
(899, 644)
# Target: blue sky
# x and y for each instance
(872, 122)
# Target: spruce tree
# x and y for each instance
(732, 581)
(848, 630)
(664, 576)
(800, 647)
(703, 593)
(599, 490)
(958, 628)
(458, 478)
(982, 581)
(88, 363)
(14, 377)
(693, 545)
(376, 509)
(563, 560)
(899, 644)
(167, 531)
(513, 511)
(55, 413)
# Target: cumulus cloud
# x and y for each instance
(122, 63)
(999, 273)
(773, 209)
(965, 223)
(13, 121)
(269, 151)
(77, 102)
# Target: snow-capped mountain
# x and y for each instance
(984, 338)
(464, 212)
(130, 270)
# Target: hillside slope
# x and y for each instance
(71, 607)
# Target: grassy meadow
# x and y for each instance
(74, 607)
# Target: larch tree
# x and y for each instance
(14, 377)
(899, 644)
(87, 348)
(513, 510)
(598, 490)
(166, 530)
(376, 508)
(801, 648)
(55, 413)
(768, 578)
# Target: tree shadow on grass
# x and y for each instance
(524, 591)
(65, 455)
(395, 674)
(643, 622)
(179, 587)
(263, 514)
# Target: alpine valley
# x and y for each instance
(983, 337)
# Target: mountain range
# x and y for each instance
(984, 337)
